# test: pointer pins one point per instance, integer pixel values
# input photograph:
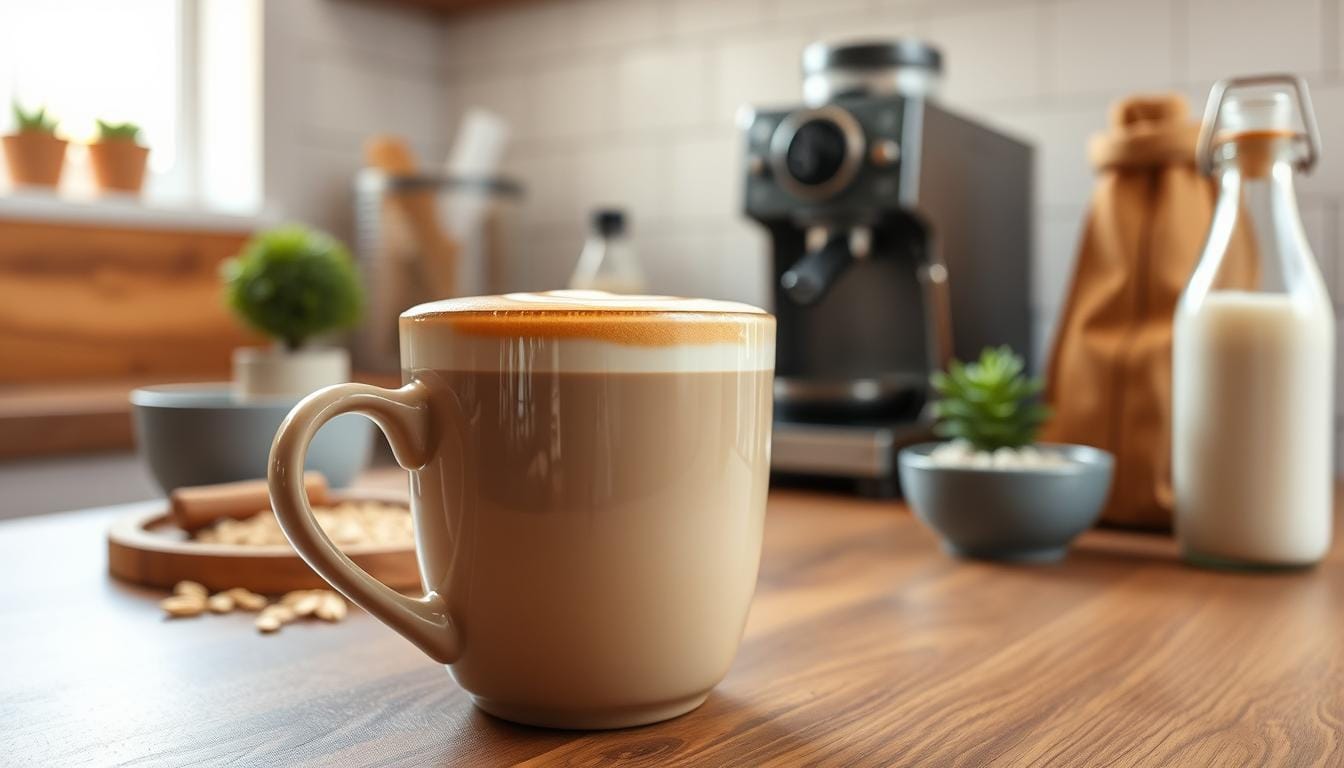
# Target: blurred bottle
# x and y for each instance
(1253, 360)
(608, 261)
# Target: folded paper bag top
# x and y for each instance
(1146, 132)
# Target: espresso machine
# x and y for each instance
(900, 235)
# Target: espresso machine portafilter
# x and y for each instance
(900, 234)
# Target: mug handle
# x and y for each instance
(403, 415)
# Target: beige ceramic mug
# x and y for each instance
(588, 482)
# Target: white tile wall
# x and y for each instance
(335, 72)
(527, 35)
(747, 71)
(995, 54)
(696, 185)
(1235, 37)
(364, 30)
(552, 186)
(352, 97)
(632, 102)
(812, 9)
(1106, 46)
(1059, 130)
(603, 23)
(622, 174)
(503, 93)
(1059, 230)
(569, 100)
(702, 17)
(662, 87)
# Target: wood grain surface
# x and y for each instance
(145, 547)
(867, 645)
(80, 302)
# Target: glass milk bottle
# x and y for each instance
(1254, 346)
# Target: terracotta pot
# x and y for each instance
(35, 158)
(118, 165)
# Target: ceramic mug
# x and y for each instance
(588, 483)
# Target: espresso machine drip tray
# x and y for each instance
(862, 456)
(847, 430)
(889, 396)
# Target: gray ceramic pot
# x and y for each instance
(197, 434)
(1008, 514)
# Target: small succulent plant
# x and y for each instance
(34, 121)
(989, 403)
(293, 283)
(117, 131)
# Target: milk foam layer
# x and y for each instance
(561, 302)
(587, 331)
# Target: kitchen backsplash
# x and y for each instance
(632, 102)
(335, 72)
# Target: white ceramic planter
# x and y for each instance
(272, 372)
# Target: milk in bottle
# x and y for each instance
(1253, 366)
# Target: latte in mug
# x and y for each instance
(588, 481)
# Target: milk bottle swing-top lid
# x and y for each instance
(1260, 104)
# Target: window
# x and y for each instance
(165, 65)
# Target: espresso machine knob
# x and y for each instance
(884, 152)
(816, 153)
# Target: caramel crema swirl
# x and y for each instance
(588, 330)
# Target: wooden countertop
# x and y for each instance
(866, 646)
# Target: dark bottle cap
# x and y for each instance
(609, 221)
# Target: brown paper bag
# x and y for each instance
(1109, 377)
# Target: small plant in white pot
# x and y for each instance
(991, 491)
(293, 284)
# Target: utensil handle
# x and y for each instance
(403, 415)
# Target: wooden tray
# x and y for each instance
(146, 548)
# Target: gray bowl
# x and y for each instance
(197, 434)
(1008, 514)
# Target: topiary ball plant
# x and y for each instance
(293, 283)
(989, 403)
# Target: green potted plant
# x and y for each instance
(989, 410)
(33, 152)
(991, 491)
(293, 284)
(117, 157)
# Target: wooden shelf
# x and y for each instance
(39, 420)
